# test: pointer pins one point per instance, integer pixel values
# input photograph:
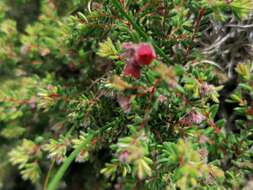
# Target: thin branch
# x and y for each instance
(48, 175)
(239, 26)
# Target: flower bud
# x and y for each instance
(132, 69)
(145, 54)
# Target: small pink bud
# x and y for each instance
(32, 102)
(197, 118)
(25, 49)
(228, 1)
(124, 103)
(123, 157)
(162, 98)
(192, 117)
(203, 139)
(203, 153)
(206, 89)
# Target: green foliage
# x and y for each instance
(107, 49)
(25, 156)
(188, 167)
(131, 156)
(12, 132)
(240, 9)
(57, 149)
(65, 97)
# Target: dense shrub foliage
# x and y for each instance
(126, 94)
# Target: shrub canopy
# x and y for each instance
(126, 94)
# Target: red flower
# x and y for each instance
(132, 69)
(137, 55)
(145, 54)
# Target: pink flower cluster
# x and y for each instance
(193, 117)
(206, 89)
(137, 56)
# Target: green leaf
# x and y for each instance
(107, 49)
(11, 132)
(243, 70)
(31, 171)
(213, 110)
(220, 123)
